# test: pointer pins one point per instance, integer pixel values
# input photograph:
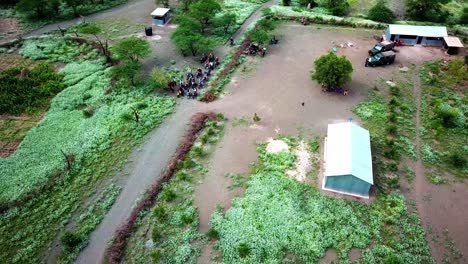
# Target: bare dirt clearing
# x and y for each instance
(276, 89)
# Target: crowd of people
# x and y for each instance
(194, 81)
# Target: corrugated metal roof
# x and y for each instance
(348, 151)
(423, 31)
(160, 11)
(453, 42)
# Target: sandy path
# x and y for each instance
(146, 164)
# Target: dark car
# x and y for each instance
(381, 47)
(384, 58)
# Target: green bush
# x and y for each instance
(212, 234)
(286, 2)
(159, 212)
(156, 256)
(392, 166)
(244, 250)
(23, 90)
(458, 160)
(168, 195)
(391, 129)
(70, 240)
(451, 117)
(156, 234)
(380, 12)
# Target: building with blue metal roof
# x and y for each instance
(348, 160)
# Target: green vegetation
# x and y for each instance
(279, 217)
(53, 10)
(332, 70)
(23, 90)
(380, 12)
(389, 118)
(49, 176)
(429, 10)
(207, 24)
(443, 114)
(172, 224)
(74, 241)
(131, 49)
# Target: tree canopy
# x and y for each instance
(225, 21)
(160, 78)
(132, 48)
(427, 10)
(332, 70)
(338, 7)
(380, 12)
(189, 41)
(204, 11)
(128, 71)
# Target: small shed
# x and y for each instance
(348, 160)
(452, 44)
(161, 16)
(417, 35)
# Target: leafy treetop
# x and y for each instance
(132, 48)
(204, 11)
(332, 70)
(380, 12)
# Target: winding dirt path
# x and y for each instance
(442, 208)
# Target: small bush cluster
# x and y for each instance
(23, 90)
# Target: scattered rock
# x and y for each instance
(404, 69)
(276, 146)
(149, 244)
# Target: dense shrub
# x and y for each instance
(450, 116)
(380, 12)
(458, 160)
(22, 90)
(70, 241)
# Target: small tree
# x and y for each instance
(128, 71)
(225, 21)
(94, 29)
(380, 12)
(160, 78)
(204, 11)
(332, 70)
(132, 48)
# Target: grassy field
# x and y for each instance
(444, 108)
(280, 220)
(92, 123)
(172, 225)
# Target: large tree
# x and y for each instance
(132, 48)
(225, 21)
(427, 10)
(204, 11)
(189, 41)
(380, 12)
(332, 70)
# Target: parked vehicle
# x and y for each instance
(381, 47)
(384, 58)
